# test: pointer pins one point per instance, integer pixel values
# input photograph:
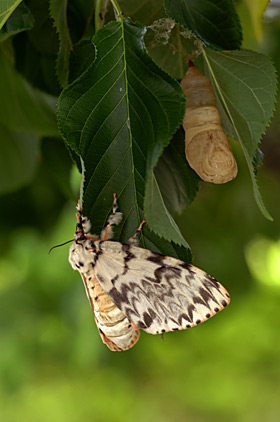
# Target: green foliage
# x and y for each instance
(253, 75)
(59, 14)
(20, 20)
(178, 182)
(6, 9)
(101, 117)
(120, 111)
(246, 116)
(27, 110)
(215, 23)
(53, 365)
(36, 50)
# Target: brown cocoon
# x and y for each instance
(208, 149)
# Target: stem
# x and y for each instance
(98, 7)
(97, 21)
(116, 7)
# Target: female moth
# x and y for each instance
(131, 288)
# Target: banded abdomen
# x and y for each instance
(115, 329)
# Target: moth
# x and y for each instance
(207, 147)
(130, 288)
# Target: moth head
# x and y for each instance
(81, 255)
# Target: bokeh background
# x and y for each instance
(53, 365)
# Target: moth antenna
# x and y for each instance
(61, 244)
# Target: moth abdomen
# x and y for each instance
(130, 288)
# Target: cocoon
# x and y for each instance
(207, 147)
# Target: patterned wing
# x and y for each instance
(124, 337)
(157, 293)
(115, 329)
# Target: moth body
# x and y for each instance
(130, 287)
(115, 329)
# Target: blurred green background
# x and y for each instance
(53, 365)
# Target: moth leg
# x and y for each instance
(133, 239)
(114, 219)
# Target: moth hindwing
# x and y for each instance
(130, 288)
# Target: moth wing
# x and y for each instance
(156, 292)
(88, 284)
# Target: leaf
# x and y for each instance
(22, 107)
(245, 83)
(145, 12)
(20, 20)
(251, 14)
(79, 17)
(36, 50)
(83, 54)
(6, 9)
(19, 159)
(119, 115)
(177, 182)
(258, 160)
(158, 215)
(58, 10)
(214, 22)
(167, 43)
(170, 46)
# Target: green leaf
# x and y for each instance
(83, 54)
(177, 181)
(80, 14)
(214, 22)
(258, 160)
(58, 10)
(245, 83)
(251, 14)
(158, 215)
(19, 159)
(119, 115)
(20, 20)
(6, 9)
(22, 107)
(36, 50)
(170, 46)
(145, 12)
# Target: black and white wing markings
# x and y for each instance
(157, 293)
(115, 329)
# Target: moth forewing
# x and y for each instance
(115, 329)
(156, 292)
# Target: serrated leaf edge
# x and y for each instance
(256, 191)
(172, 221)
